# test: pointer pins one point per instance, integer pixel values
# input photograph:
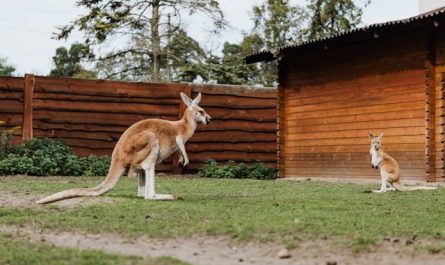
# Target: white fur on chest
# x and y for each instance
(375, 158)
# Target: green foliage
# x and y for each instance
(146, 27)
(95, 166)
(68, 62)
(49, 157)
(5, 68)
(237, 171)
(328, 17)
(6, 137)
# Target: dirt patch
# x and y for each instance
(27, 200)
(219, 250)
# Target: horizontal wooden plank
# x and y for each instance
(242, 91)
(11, 106)
(418, 112)
(114, 99)
(11, 95)
(399, 139)
(232, 155)
(357, 102)
(107, 88)
(233, 137)
(351, 172)
(351, 148)
(368, 125)
(232, 102)
(261, 115)
(403, 164)
(265, 147)
(109, 119)
(12, 83)
(343, 176)
(215, 125)
(361, 134)
(383, 108)
(297, 98)
(109, 107)
(359, 156)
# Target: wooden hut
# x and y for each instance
(386, 77)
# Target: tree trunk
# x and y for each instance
(155, 41)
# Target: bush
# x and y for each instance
(239, 171)
(49, 157)
(95, 166)
(6, 137)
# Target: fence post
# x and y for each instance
(188, 91)
(27, 107)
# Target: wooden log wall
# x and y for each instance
(11, 104)
(90, 116)
(337, 96)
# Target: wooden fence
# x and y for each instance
(90, 115)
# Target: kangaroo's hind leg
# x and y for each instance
(384, 183)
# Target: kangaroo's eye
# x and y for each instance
(201, 112)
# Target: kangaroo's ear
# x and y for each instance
(186, 99)
(370, 135)
(380, 137)
(197, 99)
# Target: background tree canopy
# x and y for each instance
(159, 49)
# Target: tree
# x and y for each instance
(5, 68)
(67, 63)
(276, 23)
(328, 17)
(146, 19)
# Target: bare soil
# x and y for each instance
(218, 250)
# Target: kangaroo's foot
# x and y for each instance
(378, 191)
(162, 197)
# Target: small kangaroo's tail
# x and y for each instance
(400, 187)
(115, 172)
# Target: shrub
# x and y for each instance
(95, 166)
(6, 137)
(49, 157)
(238, 171)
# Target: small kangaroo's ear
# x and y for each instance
(380, 137)
(370, 135)
(197, 99)
(186, 99)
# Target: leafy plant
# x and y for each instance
(49, 157)
(238, 171)
(6, 137)
(95, 166)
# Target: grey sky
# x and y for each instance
(26, 26)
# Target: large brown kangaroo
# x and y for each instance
(142, 146)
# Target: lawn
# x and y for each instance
(243, 210)
(19, 251)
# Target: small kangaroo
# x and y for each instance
(389, 169)
(142, 146)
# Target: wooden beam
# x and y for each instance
(28, 107)
(430, 108)
(281, 119)
(441, 147)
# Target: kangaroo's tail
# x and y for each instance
(398, 185)
(115, 172)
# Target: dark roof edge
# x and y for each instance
(268, 55)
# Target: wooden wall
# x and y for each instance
(331, 98)
(11, 103)
(90, 115)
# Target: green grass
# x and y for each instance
(241, 209)
(16, 252)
